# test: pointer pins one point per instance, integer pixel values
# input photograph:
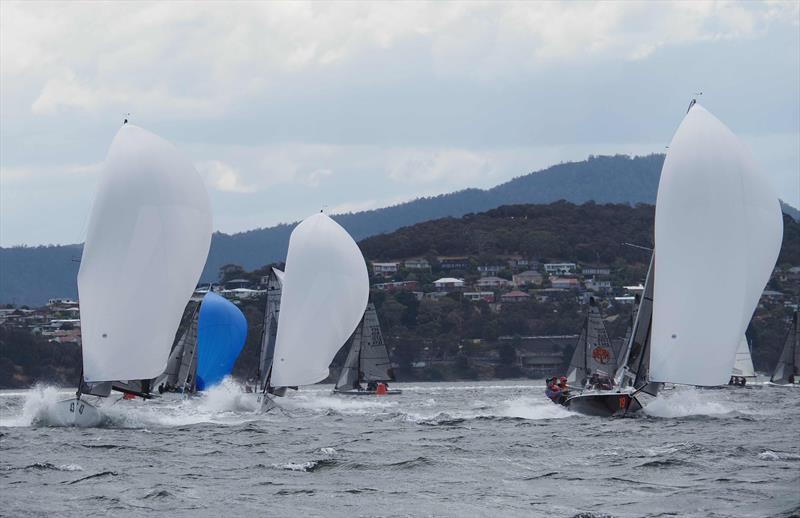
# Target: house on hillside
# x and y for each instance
(594, 284)
(453, 263)
(384, 269)
(417, 263)
(560, 268)
(528, 278)
(596, 269)
(475, 296)
(391, 287)
(448, 284)
(565, 283)
(237, 283)
(490, 270)
(492, 282)
(517, 263)
(515, 296)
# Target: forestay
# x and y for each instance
(718, 231)
(325, 292)
(150, 228)
(221, 332)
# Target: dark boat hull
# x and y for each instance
(604, 404)
(354, 392)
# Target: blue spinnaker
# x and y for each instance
(221, 331)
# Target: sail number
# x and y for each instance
(72, 408)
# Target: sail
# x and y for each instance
(788, 368)
(186, 342)
(269, 331)
(349, 378)
(221, 332)
(324, 297)
(636, 363)
(374, 358)
(718, 231)
(743, 365)
(148, 238)
(594, 352)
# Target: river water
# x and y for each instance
(440, 449)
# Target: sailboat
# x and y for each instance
(787, 372)
(743, 365)
(324, 293)
(367, 361)
(718, 225)
(269, 330)
(150, 226)
(593, 361)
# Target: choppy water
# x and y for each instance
(440, 449)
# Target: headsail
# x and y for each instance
(593, 352)
(788, 368)
(349, 377)
(325, 294)
(743, 365)
(221, 332)
(150, 226)
(178, 368)
(269, 331)
(717, 228)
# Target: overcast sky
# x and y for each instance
(289, 107)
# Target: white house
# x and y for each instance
(560, 268)
(385, 268)
(448, 283)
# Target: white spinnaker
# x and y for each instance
(718, 232)
(322, 301)
(147, 241)
(743, 365)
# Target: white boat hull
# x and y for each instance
(76, 412)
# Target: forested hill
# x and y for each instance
(558, 231)
(32, 275)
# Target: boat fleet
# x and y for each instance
(717, 224)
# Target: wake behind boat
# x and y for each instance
(150, 226)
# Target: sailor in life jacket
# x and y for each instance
(552, 391)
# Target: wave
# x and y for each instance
(777, 455)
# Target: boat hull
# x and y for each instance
(355, 392)
(603, 404)
(76, 412)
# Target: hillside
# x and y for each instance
(31, 275)
(457, 336)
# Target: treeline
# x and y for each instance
(588, 233)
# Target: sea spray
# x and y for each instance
(686, 401)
